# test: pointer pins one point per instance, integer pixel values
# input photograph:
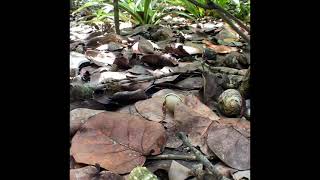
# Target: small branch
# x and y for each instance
(178, 157)
(200, 157)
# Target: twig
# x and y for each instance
(200, 157)
(221, 13)
(178, 157)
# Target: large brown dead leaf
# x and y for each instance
(221, 49)
(118, 142)
(196, 105)
(193, 124)
(151, 109)
(79, 116)
(230, 146)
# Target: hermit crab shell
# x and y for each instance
(230, 102)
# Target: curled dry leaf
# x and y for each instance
(79, 116)
(178, 171)
(155, 60)
(118, 142)
(230, 146)
(221, 49)
(85, 173)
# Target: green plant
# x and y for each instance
(98, 12)
(195, 11)
(147, 11)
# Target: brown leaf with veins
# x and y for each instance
(221, 49)
(230, 146)
(117, 142)
(196, 105)
(195, 125)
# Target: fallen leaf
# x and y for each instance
(118, 142)
(76, 60)
(145, 47)
(135, 86)
(192, 123)
(191, 83)
(230, 146)
(223, 169)
(112, 46)
(240, 175)
(129, 109)
(151, 109)
(161, 34)
(85, 173)
(98, 78)
(166, 79)
(79, 116)
(122, 62)
(155, 60)
(222, 49)
(178, 171)
(242, 126)
(100, 58)
(139, 69)
(196, 105)
(108, 175)
(105, 39)
(128, 97)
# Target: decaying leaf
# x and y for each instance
(178, 171)
(105, 39)
(230, 146)
(224, 169)
(191, 83)
(222, 49)
(155, 60)
(79, 116)
(85, 173)
(100, 58)
(118, 142)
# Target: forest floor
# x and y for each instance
(135, 96)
